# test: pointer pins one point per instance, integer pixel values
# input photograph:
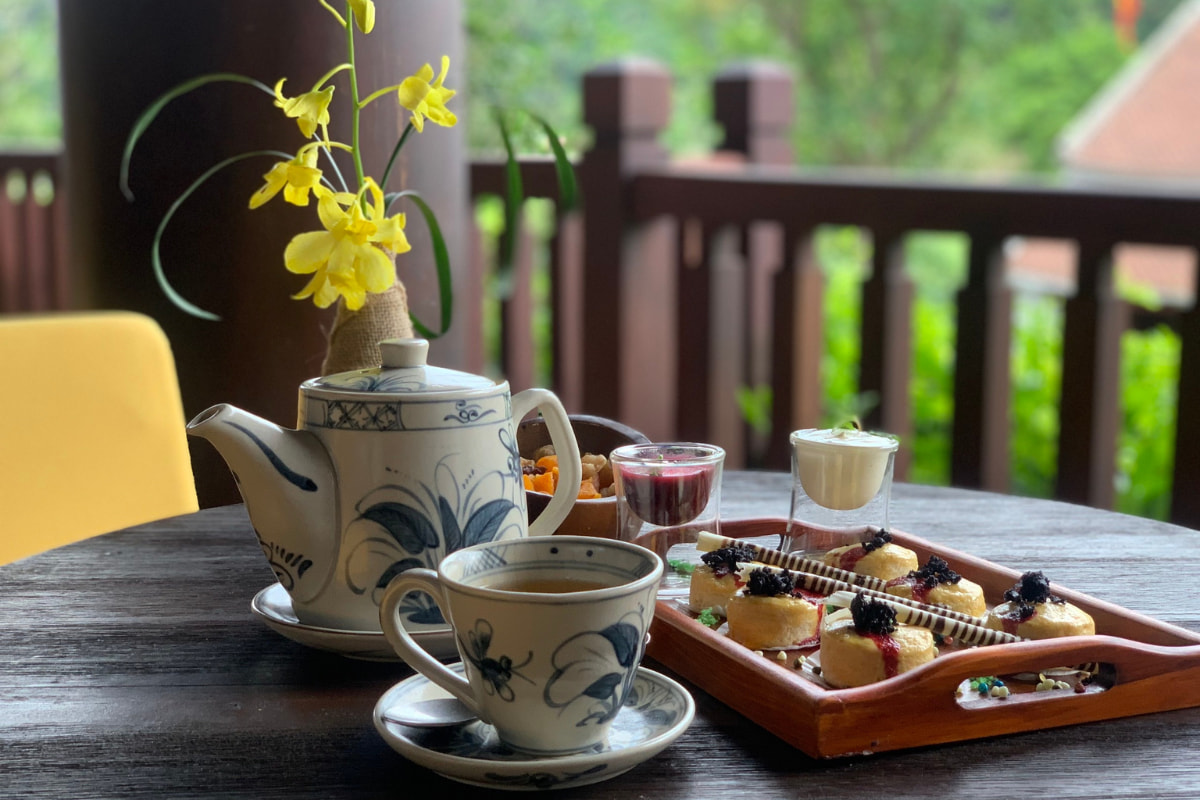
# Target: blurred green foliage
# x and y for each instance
(937, 265)
(29, 104)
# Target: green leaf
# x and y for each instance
(156, 257)
(152, 111)
(441, 259)
(568, 191)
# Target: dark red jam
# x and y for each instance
(877, 622)
(849, 559)
(1018, 614)
(889, 648)
(924, 580)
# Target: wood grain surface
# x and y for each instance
(131, 666)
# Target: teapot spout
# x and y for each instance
(287, 480)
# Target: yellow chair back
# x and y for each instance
(91, 429)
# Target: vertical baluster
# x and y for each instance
(887, 341)
(798, 336)
(61, 287)
(979, 446)
(1185, 499)
(726, 343)
(36, 269)
(627, 105)
(694, 308)
(710, 332)
(516, 316)
(468, 305)
(1089, 410)
(573, 345)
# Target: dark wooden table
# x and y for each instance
(131, 666)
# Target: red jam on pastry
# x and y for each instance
(937, 584)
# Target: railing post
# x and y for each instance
(979, 437)
(1089, 410)
(887, 341)
(710, 324)
(1185, 499)
(753, 104)
(627, 105)
(798, 338)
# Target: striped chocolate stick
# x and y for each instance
(962, 632)
(827, 586)
(790, 561)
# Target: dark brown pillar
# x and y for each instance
(117, 57)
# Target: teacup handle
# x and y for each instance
(425, 580)
(570, 470)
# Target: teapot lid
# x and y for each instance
(403, 371)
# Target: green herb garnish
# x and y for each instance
(707, 617)
(682, 567)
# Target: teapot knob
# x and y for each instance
(403, 352)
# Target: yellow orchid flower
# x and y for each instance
(348, 258)
(426, 99)
(296, 178)
(309, 109)
(364, 14)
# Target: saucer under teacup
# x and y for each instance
(656, 712)
(273, 605)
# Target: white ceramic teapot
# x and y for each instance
(391, 468)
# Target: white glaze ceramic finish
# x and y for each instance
(657, 711)
(392, 468)
(273, 606)
(549, 671)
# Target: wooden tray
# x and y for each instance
(1147, 666)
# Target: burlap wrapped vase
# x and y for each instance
(355, 337)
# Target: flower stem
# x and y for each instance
(354, 111)
(333, 11)
(330, 74)
(378, 94)
(395, 152)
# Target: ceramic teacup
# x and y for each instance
(550, 630)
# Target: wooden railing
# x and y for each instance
(32, 233)
(687, 281)
(677, 283)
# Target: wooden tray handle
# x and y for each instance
(1132, 662)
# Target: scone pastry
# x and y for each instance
(768, 615)
(1031, 611)
(877, 557)
(936, 584)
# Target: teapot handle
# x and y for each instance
(570, 470)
